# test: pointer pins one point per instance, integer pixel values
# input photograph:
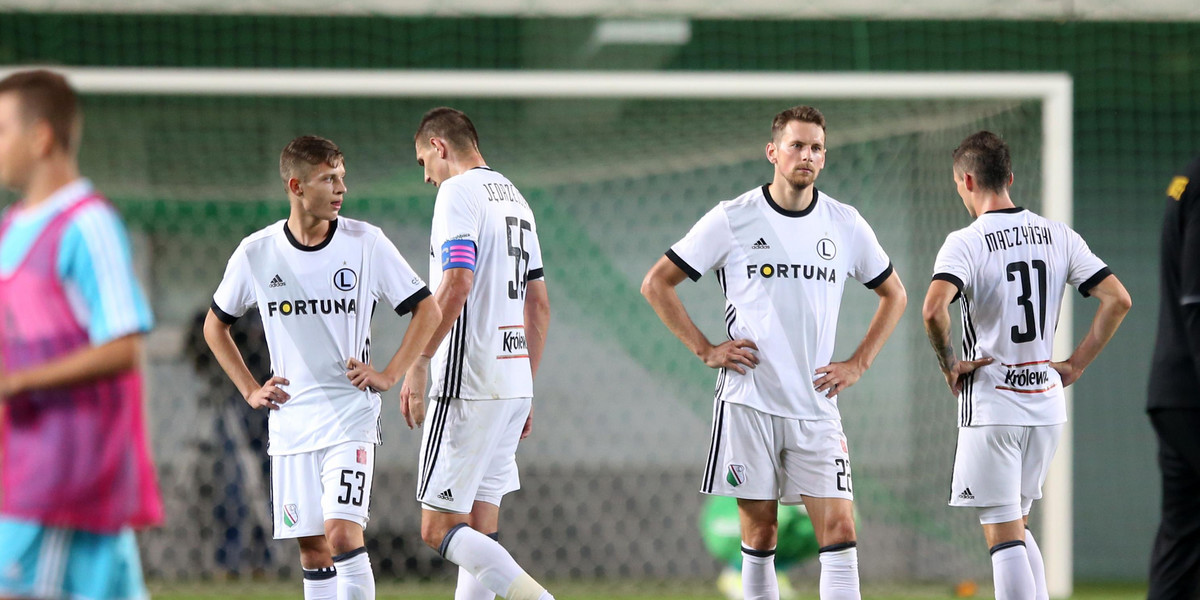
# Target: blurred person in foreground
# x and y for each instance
(1008, 269)
(76, 477)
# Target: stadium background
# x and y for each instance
(622, 425)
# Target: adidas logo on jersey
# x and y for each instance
(447, 495)
(966, 495)
(761, 244)
(277, 282)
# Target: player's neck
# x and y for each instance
(48, 177)
(989, 202)
(466, 162)
(308, 230)
(790, 197)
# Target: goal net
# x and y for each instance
(617, 166)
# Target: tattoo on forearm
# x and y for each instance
(941, 347)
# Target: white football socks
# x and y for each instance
(320, 584)
(1011, 572)
(758, 574)
(355, 581)
(491, 564)
(1038, 565)
(468, 587)
(839, 572)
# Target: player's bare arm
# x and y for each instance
(537, 325)
(269, 394)
(1114, 305)
(426, 316)
(835, 377)
(86, 364)
(936, 313)
(451, 297)
(659, 289)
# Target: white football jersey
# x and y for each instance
(316, 304)
(782, 273)
(481, 221)
(1010, 267)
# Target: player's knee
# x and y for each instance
(432, 533)
(839, 529)
(761, 535)
(314, 553)
(343, 539)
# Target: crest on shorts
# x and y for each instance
(736, 475)
(845, 450)
(362, 456)
(291, 515)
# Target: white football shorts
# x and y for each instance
(469, 452)
(311, 487)
(1002, 465)
(758, 456)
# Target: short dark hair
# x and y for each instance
(450, 124)
(305, 152)
(985, 155)
(46, 96)
(804, 114)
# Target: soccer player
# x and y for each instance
(782, 253)
(316, 279)
(485, 267)
(1174, 393)
(76, 476)
(1009, 268)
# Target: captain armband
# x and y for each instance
(458, 254)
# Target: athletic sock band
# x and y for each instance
(758, 553)
(351, 554)
(320, 574)
(446, 539)
(836, 547)
(1005, 546)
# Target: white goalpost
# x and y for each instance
(1054, 91)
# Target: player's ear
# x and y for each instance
(43, 137)
(293, 186)
(771, 152)
(439, 146)
(1010, 179)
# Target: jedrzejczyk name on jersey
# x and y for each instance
(1010, 267)
(481, 217)
(316, 304)
(782, 273)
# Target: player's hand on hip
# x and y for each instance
(1067, 372)
(270, 395)
(365, 376)
(737, 355)
(833, 378)
(954, 378)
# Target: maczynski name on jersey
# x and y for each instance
(1020, 235)
(782, 271)
(312, 307)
